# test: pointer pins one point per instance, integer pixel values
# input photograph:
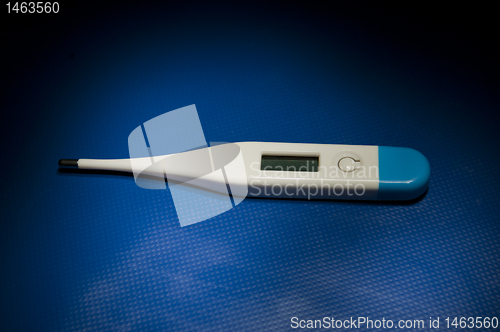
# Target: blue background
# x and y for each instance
(94, 252)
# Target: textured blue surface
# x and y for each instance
(93, 252)
(403, 173)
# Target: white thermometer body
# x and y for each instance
(288, 170)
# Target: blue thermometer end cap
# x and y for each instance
(403, 173)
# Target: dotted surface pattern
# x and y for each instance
(94, 252)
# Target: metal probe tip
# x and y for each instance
(68, 162)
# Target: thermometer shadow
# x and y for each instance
(127, 175)
(93, 173)
(357, 201)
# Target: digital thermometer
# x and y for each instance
(288, 170)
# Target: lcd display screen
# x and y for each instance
(289, 163)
